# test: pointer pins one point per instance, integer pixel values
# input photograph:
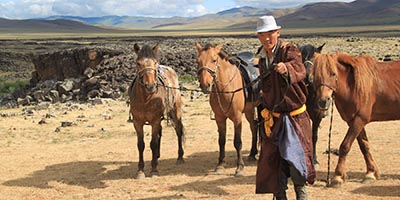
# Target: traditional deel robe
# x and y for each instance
(283, 94)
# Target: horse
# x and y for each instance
(364, 90)
(223, 81)
(152, 95)
(316, 115)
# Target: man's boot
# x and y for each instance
(300, 192)
(280, 196)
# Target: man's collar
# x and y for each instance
(263, 53)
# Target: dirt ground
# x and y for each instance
(96, 157)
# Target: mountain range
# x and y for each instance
(323, 14)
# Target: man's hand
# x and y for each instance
(281, 68)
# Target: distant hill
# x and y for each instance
(58, 25)
(356, 13)
(323, 14)
(210, 21)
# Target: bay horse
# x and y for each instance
(316, 115)
(364, 90)
(223, 81)
(151, 97)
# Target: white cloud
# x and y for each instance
(22, 9)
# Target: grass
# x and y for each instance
(363, 30)
(187, 78)
(10, 87)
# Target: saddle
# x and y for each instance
(250, 72)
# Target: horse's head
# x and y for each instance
(147, 64)
(207, 61)
(307, 55)
(324, 77)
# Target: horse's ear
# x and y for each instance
(319, 49)
(155, 48)
(218, 48)
(347, 59)
(198, 47)
(136, 48)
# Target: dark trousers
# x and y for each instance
(289, 171)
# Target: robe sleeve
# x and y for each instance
(294, 64)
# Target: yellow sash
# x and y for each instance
(269, 120)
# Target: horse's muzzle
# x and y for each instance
(150, 88)
(323, 104)
(206, 88)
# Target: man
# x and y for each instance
(286, 144)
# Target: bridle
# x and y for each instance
(141, 73)
(214, 73)
(333, 88)
(210, 71)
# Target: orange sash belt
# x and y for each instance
(269, 120)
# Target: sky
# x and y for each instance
(25, 9)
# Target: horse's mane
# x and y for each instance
(147, 52)
(222, 54)
(363, 69)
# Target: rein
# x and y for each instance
(329, 144)
(215, 81)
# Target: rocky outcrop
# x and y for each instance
(69, 63)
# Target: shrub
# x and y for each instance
(10, 87)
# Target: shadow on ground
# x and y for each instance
(93, 174)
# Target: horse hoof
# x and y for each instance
(251, 158)
(219, 170)
(140, 175)
(154, 174)
(239, 173)
(180, 161)
(337, 181)
(369, 178)
(316, 165)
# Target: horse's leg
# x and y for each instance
(372, 169)
(156, 133)
(140, 145)
(221, 123)
(249, 113)
(237, 142)
(180, 132)
(355, 127)
(315, 125)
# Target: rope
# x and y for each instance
(233, 91)
(329, 145)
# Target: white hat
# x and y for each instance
(266, 23)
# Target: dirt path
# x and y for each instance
(96, 158)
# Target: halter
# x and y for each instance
(148, 70)
(210, 71)
(214, 84)
(329, 86)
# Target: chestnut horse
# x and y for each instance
(151, 97)
(364, 91)
(223, 81)
(316, 115)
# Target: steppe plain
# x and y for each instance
(96, 157)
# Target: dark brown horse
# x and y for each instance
(223, 81)
(316, 115)
(364, 91)
(151, 97)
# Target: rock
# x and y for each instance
(66, 86)
(42, 121)
(42, 105)
(66, 124)
(23, 101)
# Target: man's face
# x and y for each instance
(269, 39)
